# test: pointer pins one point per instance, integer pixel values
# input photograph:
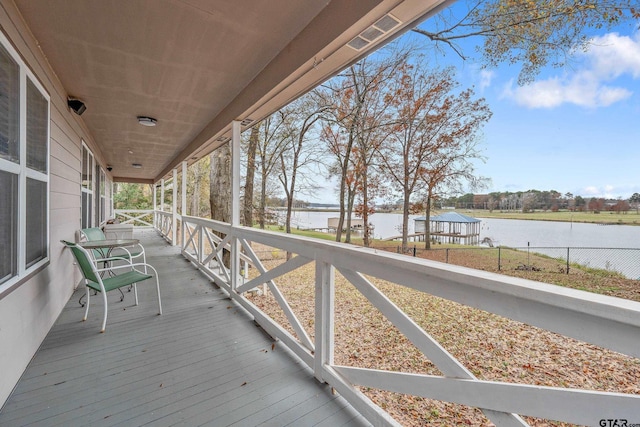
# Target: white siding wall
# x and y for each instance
(27, 313)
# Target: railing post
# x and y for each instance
(235, 202)
(324, 318)
(201, 256)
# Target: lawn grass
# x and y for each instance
(629, 218)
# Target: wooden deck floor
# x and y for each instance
(203, 362)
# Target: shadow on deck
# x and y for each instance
(202, 362)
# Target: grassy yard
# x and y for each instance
(629, 218)
(490, 346)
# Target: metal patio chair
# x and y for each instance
(95, 233)
(92, 279)
(99, 255)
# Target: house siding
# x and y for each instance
(28, 312)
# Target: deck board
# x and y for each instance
(203, 362)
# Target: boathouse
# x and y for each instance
(451, 227)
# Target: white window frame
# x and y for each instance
(23, 172)
(89, 191)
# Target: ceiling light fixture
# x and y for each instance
(147, 121)
(137, 165)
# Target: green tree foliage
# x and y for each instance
(132, 196)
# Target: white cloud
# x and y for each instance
(591, 191)
(605, 191)
(486, 76)
(610, 57)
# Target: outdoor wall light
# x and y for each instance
(76, 105)
(147, 121)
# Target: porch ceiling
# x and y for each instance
(196, 65)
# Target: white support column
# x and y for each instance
(324, 318)
(235, 174)
(174, 209)
(155, 205)
(112, 192)
(162, 194)
(183, 209)
(235, 201)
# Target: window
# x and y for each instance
(24, 169)
(87, 187)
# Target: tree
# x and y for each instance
(132, 196)
(354, 97)
(198, 187)
(450, 165)
(621, 206)
(298, 119)
(533, 34)
(429, 119)
(596, 205)
(635, 201)
(220, 183)
(247, 208)
(270, 144)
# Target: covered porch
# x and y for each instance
(203, 362)
(202, 72)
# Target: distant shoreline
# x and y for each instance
(632, 217)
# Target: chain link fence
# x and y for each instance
(624, 261)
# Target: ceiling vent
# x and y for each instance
(374, 32)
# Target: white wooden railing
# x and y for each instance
(604, 321)
(136, 217)
(164, 224)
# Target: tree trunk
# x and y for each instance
(247, 209)
(263, 202)
(365, 212)
(427, 223)
(405, 221)
(220, 189)
(351, 196)
(343, 185)
(195, 199)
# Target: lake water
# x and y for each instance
(385, 224)
(520, 233)
(523, 234)
(506, 232)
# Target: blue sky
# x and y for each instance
(575, 129)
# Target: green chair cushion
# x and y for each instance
(119, 281)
